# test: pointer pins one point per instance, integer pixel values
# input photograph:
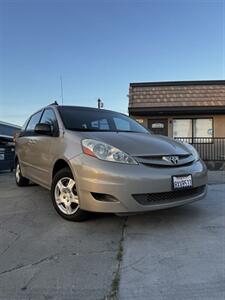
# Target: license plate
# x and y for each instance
(181, 182)
(2, 156)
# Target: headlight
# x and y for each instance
(106, 152)
(193, 151)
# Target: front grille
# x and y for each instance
(167, 197)
(159, 161)
(168, 166)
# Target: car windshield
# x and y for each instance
(85, 119)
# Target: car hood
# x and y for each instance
(140, 144)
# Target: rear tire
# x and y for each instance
(65, 197)
(20, 180)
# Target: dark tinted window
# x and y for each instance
(122, 124)
(34, 120)
(83, 119)
(49, 117)
(101, 124)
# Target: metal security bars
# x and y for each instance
(209, 149)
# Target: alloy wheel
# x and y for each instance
(18, 173)
(66, 196)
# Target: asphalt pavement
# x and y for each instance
(174, 254)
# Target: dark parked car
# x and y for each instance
(7, 153)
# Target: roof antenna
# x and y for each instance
(61, 88)
(100, 103)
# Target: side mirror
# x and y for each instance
(44, 129)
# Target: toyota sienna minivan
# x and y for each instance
(95, 160)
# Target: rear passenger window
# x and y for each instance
(34, 120)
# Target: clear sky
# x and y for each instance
(100, 46)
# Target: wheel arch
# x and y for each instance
(59, 165)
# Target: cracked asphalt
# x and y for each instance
(172, 254)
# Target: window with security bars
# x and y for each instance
(193, 128)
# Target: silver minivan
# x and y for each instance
(96, 160)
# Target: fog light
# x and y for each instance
(104, 197)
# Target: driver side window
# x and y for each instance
(49, 118)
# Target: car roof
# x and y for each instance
(87, 108)
(83, 108)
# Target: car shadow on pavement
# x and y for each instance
(181, 214)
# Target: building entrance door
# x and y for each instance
(158, 126)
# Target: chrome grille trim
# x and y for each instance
(159, 161)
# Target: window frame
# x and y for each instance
(40, 111)
(56, 130)
(186, 118)
(27, 132)
(63, 111)
(192, 129)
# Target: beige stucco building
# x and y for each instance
(180, 109)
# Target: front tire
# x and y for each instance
(20, 180)
(65, 197)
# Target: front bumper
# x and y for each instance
(123, 181)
